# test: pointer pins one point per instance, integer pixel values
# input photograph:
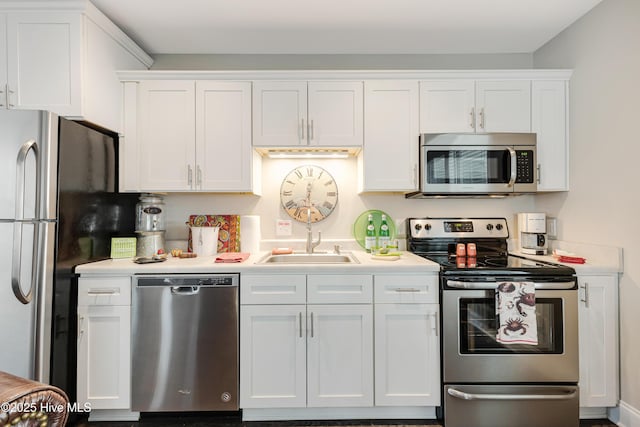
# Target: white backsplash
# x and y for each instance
(339, 225)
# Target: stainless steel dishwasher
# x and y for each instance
(185, 342)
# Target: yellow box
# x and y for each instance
(123, 247)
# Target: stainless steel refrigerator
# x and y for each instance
(59, 207)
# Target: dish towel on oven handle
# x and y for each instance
(516, 313)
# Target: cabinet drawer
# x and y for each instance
(339, 289)
(405, 288)
(273, 289)
(104, 290)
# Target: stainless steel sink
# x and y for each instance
(315, 258)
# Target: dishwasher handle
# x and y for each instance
(185, 290)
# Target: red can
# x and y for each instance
(471, 249)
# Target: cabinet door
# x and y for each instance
(44, 62)
(104, 356)
(279, 113)
(335, 114)
(166, 139)
(503, 106)
(407, 368)
(223, 136)
(272, 356)
(549, 122)
(598, 326)
(447, 106)
(390, 155)
(340, 355)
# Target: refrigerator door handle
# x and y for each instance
(16, 261)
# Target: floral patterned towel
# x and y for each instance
(516, 313)
(229, 234)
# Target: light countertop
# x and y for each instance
(408, 263)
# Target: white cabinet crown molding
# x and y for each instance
(528, 74)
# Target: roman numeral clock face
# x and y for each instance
(309, 189)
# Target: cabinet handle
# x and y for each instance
(482, 118)
(9, 93)
(434, 323)
(473, 118)
(538, 173)
(312, 132)
(80, 328)
(585, 300)
(189, 175)
(300, 322)
(311, 324)
(96, 292)
(199, 176)
(407, 290)
(302, 130)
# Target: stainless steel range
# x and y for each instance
(509, 327)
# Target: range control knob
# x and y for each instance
(498, 227)
(418, 227)
(427, 226)
(489, 227)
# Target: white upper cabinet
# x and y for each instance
(166, 151)
(43, 62)
(63, 59)
(300, 114)
(503, 106)
(475, 106)
(389, 159)
(185, 135)
(223, 136)
(549, 122)
(447, 106)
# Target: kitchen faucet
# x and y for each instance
(311, 245)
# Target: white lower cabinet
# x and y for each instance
(307, 341)
(104, 348)
(407, 341)
(407, 352)
(598, 335)
(297, 355)
(272, 356)
(340, 355)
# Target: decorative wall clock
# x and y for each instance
(307, 189)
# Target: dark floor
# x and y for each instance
(235, 421)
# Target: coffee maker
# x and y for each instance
(532, 229)
(150, 225)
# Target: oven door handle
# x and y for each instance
(476, 396)
(457, 284)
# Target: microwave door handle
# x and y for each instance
(514, 166)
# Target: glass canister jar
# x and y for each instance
(150, 213)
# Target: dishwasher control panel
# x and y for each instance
(221, 280)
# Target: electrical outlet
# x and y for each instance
(283, 227)
(552, 228)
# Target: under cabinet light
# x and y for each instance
(315, 153)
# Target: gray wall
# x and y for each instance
(349, 62)
(603, 50)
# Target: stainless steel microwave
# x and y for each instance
(477, 164)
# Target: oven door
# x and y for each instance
(477, 169)
(471, 353)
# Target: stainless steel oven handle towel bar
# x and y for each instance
(474, 396)
(493, 285)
